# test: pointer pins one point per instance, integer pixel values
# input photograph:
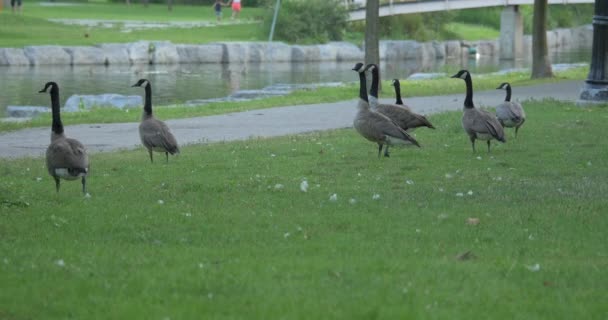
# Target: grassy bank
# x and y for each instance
(234, 237)
(33, 28)
(320, 95)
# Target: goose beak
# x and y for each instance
(455, 76)
(135, 85)
(42, 91)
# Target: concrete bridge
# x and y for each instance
(511, 23)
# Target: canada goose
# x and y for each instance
(510, 113)
(66, 158)
(399, 114)
(374, 126)
(478, 124)
(154, 134)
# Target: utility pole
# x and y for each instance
(596, 85)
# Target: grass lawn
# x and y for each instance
(320, 95)
(235, 238)
(471, 32)
(33, 28)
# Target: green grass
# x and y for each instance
(463, 31)
(33, 28)
(227, 243)
(320, 95)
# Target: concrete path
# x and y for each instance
(262, 123)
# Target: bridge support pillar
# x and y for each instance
(511, 33)
(596, 85)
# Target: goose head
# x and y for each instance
(504, 85)
(53, 85)
(359, 67)
(395, 83)
(141, 83)
(462, 74)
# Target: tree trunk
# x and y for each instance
(372, 18)
(541, 64)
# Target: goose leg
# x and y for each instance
(386, 154)
(488, 146)
(84, 185)
(516, 128)
(151, 158)
(56, 183)
(473, 144)
(379, 149)
(167, 156)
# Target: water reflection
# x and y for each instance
(173, 84)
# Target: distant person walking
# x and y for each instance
(18, 3)
(236, 8)
(217, 6)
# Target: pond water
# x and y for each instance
(176, 84)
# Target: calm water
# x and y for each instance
(180, 83)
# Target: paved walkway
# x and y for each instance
(262, 123)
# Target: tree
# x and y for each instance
(372, 19)
(541, 64)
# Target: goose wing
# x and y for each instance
(390, 128)
(156, 135)
(491, 124)
(510, 111)
(404, 117)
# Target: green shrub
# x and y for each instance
(308, 21)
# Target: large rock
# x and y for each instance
(428, 51)
(47, 55)
(163, 52)
(327, 52)
(346, 51)
(453, 49)
(86, 55)
(440, 49)
(13, 57)
(488, 48)
(76, 102)
(582, 37)
(278, 51)
(305, 53)
(140, 52)
(236, 52)
(400, 50)
(25, 111)
(207, 53)
(115, 53)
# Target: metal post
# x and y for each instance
(596, 85)
(274, 19)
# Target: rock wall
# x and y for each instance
(164, 52)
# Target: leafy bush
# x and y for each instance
(308, 21)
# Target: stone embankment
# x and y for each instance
(164, 52)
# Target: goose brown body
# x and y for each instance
(66, 158)
(478, 124)
(154, 134)
(374, 126)
(510, 113)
